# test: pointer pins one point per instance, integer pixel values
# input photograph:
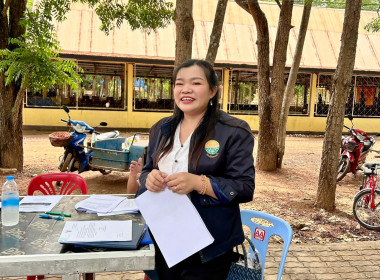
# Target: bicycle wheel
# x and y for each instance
(367, 217)
(343, 168)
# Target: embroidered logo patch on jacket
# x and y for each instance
(212, 148)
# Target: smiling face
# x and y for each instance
(192, 91)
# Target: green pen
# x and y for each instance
(60, 214)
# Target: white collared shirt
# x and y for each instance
(177, 159)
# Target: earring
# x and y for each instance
(210, 102)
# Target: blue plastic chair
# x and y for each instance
(260, 235)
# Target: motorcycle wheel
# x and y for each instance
(343, 168)
(66, 162)
(71, 164)
(105, 172)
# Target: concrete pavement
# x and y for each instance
(349, 260)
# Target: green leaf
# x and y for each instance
(33, 60)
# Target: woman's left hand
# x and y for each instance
(183, 182)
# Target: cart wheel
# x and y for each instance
(105, 172)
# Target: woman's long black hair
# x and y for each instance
(207, 125)
(206, 128)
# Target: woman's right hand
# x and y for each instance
(155, 181)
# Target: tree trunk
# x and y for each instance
(11, 96)
(216, 31)
(184, 31)
(4, 28)
(270, 94)
(289, 90)
(334, 124)
(269, 156)
(11, 144)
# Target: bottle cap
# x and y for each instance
(10, 177)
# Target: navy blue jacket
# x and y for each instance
(228, 162)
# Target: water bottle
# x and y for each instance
(10, 203)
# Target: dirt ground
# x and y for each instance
(288, 193)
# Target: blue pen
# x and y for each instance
(45, 216)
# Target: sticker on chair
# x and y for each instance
(259, 234)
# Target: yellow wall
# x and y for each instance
(118, 119)
(124, 119)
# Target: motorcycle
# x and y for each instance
(77, 156)
(354, 150)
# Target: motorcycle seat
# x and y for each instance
(107, 135)
(367, 146)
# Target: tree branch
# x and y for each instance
(216, 31)
(258, 15)
(243, 4)
(18, 102)
(4, 12)
(278, 3)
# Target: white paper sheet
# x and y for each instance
(96, 231)
(124, 207)
(175, 223)
(99, 203)
(40, 203)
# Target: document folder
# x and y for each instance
(147, 239)
(138, 231)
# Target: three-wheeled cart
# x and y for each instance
(117, 154)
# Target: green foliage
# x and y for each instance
(371, 5)
(33, 63)
(373, 25)
(140, 14)
(29, 5)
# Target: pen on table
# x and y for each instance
(59, 214)
(35, 203)
(45, 216)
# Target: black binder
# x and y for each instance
(138, 231)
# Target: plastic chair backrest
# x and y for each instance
(45, 183)
(260, 235)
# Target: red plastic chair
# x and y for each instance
(45, 184)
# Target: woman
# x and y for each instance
(134, 173)
(206, 154)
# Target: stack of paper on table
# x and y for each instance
(108, 234)
(105, 205)
(40, 203)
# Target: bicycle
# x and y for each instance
(366, 205)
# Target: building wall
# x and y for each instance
(36, 117)
(50, 117)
